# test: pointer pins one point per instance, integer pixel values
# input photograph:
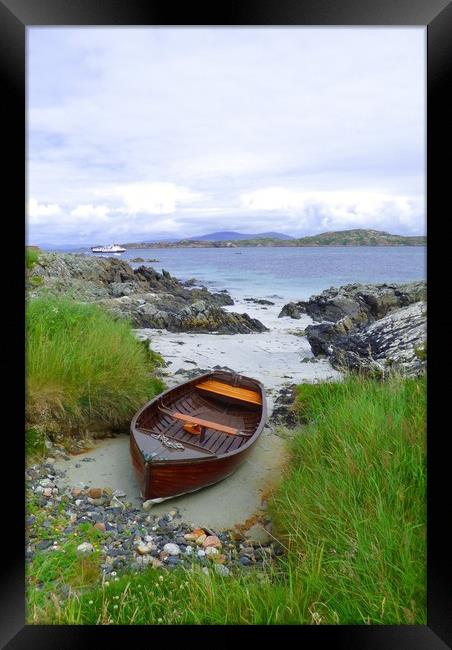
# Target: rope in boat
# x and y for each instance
(166, 441)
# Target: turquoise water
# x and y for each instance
(289, 273)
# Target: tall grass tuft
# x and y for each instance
(351, 507)
(31, 257)
(82, 367)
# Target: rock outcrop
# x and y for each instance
(144, 296)
(370, 328)
(395, 342)
(362, 303)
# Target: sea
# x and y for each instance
(285, 273)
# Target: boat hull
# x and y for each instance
(163, 480)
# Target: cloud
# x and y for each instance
(316, 211)
(41, 212)
(138, 130)
(90, 211)
(154, 198)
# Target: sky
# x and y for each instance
(139, 134)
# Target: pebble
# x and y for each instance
(133, 539)
(143, 549)
(171, 549)
(41, 546)
(85, 548)
(212, 541)
(221, 569)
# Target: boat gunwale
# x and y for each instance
(203, 459)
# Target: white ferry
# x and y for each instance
(113, 248)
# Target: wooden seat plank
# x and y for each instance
(204, 423)
(243, 394)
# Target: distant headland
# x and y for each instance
(357, 237)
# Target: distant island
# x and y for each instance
(356, 237)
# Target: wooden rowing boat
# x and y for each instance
(196, 434)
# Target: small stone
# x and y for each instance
(213, 541)
(173, 560)
(76, 492)
(200, 540)
(221, 569)
(43, 545)
(50, 461)
(190, 537)
(201, 553)
(78, 502)
(205, 570)
(85, 548)
(211, 550)
(47, 492)
(171, 549)
(100, 526)
(147, 505)
(156, 563)
(189, 550)
(95, 502)
(95, 493)
(143, 549)
(46, 482)
(198, 531)
(116, 503)
(245, 561)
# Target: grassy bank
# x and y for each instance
(83, 369)
(350, 510)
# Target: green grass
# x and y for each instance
(352, 504)
(350, 511)
(83, 368)
(31, 257)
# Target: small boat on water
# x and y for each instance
(113, 248)
(196, 434)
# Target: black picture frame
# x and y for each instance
(15, 17)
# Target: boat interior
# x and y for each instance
(208, 415)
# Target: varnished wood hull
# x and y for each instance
(182, 472)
